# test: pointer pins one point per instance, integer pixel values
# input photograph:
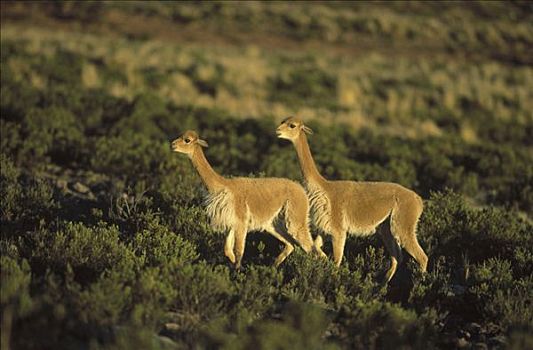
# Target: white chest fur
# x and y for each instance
(220, 208)
(320, 208)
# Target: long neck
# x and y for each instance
(307, 163)
(211, 178)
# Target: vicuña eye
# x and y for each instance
(292, 126)
(187, 140)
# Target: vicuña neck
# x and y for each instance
(307, 163)
(211, 178)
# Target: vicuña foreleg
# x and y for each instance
(240, 241)
(229, 246)
(317, 246)
(338, 241)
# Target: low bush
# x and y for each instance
(382, 325)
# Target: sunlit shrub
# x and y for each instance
(203, 293)
(316, 280)
(159, 247)
(88, 251)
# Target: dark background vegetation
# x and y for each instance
(104, 241)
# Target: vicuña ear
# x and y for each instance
(202, 143)
(307, 129)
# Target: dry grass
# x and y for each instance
(396, 93)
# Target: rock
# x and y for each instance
(172, 327)
(81, 188)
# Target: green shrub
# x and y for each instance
(16, 97)
(89, 11)
(257, 289)
(88, 251)
(318, 281)
(203, 294)
(134, 263)
(305, 86)
(375, 325)
(159, 247)
(450, 227)
(301, 326)
(134, 156)
(191, 221)
(15, 297)
(64, 68)
(143, 117)
(500, 297)
(52, 132)
(26, 202)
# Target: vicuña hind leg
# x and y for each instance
(413, 247)
(394, 250)
(403, 225)
(289, 248)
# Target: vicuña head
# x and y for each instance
(188, 142)
(291, 128)
(240, 205)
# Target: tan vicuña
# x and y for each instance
(342, 207)
(239, 205)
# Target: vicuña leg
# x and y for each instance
(338, 240)
(296, 218)
(289, 248)
(394, 250)
(240, 241)
(317, 245)
(228, 247)
(403, 225)
(413, 247)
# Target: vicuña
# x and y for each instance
(342, 207)
(240, 205)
